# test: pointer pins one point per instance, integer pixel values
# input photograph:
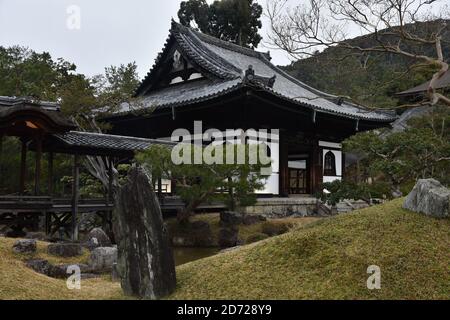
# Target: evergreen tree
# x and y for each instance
(237, 21)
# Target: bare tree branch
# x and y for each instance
(315, 25)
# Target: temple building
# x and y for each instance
(197, 77)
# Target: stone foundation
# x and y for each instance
(284, 207)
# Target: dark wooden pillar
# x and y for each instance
(316, 168)
(50, 174)
(283, 167)
(37, 171)
(1, 161)
(159, 188)
(173, 186)
(75, 196)
(110, 179)
(343, 174)
(23, 167)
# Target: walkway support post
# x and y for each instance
(50, 174)
(75, 196)
(23, 167)
(1, 159)
(37, 171)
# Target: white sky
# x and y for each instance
(111, 31)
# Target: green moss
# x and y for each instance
(328, 259)
(19, 282)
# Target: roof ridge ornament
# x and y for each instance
(251, 77)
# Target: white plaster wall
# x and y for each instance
(330, 179)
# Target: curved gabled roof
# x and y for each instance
(228, 63)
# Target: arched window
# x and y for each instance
(329, 168)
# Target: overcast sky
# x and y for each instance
(111, 31)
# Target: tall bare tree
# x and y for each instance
(310, 25)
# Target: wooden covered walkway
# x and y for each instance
(41, 128)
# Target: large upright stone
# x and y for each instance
(145, 259)
(429, 197)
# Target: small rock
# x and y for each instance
(25, 246)
(429, 197)
(253, 219)
(229, 249)
(115, 277)
(103, 258)
(230, 218)
(16, 232)
(39, 265)
(40, 236)
(60, 271)
(85, 276)
(65, 249)
(97, 238)
(228, 237)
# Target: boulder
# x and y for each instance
(228, 237)
(230, 218)
(103, 258)
(39, 265)
(97, 238)
(250, 219)
(25, 246)
(65, 249)
(429, 197)
(145, 259)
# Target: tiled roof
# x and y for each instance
(106, 141)
(443, 82)
(14, 101)
(229, 63)
(11, 107)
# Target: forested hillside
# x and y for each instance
(370, 78)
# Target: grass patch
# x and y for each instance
(328, 259)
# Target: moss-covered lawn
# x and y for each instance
(328, 259)
(19, 282)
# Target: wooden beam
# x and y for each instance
(1, 160)
(37, 170)
(110, 179)
(23, 167)
(283, 189)
(50, 174)
(159, 189)
(75, 196)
